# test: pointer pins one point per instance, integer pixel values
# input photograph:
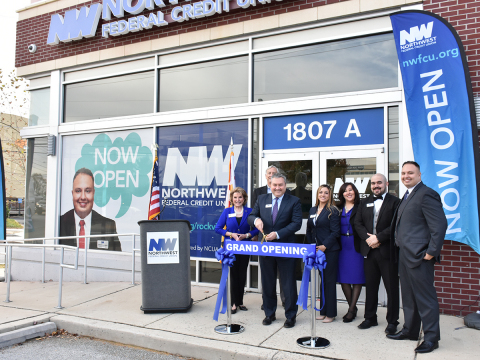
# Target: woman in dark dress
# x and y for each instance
(237, 228)
(323, 229)
(350, 262)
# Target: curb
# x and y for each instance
(30, 332)
(172, 343)
(23, 323)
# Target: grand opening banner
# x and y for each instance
(193, 176)
(441, 116)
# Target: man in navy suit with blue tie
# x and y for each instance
(278, 215)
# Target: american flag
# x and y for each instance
(154, 206)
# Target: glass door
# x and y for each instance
(301, 170)
(357, 167)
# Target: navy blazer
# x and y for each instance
(289, 217)
(326, 230)
(232, 224)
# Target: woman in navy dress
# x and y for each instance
(323, 229)
(350, 262)
(235, 219)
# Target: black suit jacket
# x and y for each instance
(419, 225)
(364, 223)
(100, 225)
(289, 217)
(326, 230)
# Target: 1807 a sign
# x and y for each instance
(341, 128)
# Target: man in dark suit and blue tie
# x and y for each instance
(418, 230)
(278, 215)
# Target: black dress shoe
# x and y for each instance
(367, 324)
(401, 336)
(391, 329)
(242, 307)
(268, 320)
(289, 323)
(426, 347)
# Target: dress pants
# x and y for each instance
(286, 268)
(377, 267)
(330, 284)
(419, 297)
(238, 277)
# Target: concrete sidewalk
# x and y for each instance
(111, 311)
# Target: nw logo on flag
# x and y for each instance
(417, 37)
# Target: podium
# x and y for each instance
(165, 259)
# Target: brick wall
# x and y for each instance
(35, 30)
(458, 276)
(464, 16)
(457, 279)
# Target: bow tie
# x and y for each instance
(375, 198)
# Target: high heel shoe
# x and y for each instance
(350, 315)
(329, 319)
(321, 317)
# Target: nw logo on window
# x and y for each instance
(76, 24)
(416, 33)
(199, 168)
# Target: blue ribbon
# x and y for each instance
(227, 258)
(312, 260)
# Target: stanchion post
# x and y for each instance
(229, 328)
(313, 299)
(229, 304)
(312, 341)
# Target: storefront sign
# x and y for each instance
(83, 23)
(193, 175)
(342, 128)
(441, 116)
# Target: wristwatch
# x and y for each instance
(249, 235)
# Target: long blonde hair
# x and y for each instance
(330, 205)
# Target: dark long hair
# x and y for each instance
(342, 190)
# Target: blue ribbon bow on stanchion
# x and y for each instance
(319, 262)
(227, 258)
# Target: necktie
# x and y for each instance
(406, 195)
(275, 210)
(81, 241)
(375, 198)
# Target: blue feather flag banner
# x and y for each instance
(441, 116)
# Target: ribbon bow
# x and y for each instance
(311, 260)
(226, 257)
